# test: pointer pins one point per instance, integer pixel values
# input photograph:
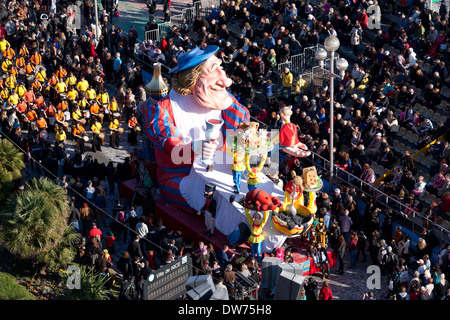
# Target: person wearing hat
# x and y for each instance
(289, 142)
(199, 91)
(209, 209)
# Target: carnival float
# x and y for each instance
(202, 135)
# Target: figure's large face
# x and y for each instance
(210, 90)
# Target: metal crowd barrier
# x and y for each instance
(152, 35)
(202, 8)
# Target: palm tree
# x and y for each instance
(56, 193)
(63, 254)
(34, 222)
(93, 285)
(11, 164)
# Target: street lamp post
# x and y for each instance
(331, 44)
(96, 21)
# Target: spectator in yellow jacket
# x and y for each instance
(288, 79)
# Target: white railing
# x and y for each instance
(203, 8)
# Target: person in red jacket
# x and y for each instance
(325, 292)
(445, 202)
(95, 232)
(164, 45)
(363, 19)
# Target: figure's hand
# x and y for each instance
(297, 152)
(209, 148)
(302, 146)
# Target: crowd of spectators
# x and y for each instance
(396, 86)
(50, 71)
(377, 97)
(54, 74)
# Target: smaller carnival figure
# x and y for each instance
(237, 168)
(321, 231)
(254, 172)
(289, 141)
(257, 222)
(209, 209)
(311, 236)
(293, 192)
(262, 203)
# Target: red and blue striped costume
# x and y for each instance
(162, 131)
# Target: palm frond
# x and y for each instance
(11, 159)
(32, 224)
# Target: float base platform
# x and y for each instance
(193, 227)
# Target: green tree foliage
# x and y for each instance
(92, 285)
(11, 164)
(34, 223)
